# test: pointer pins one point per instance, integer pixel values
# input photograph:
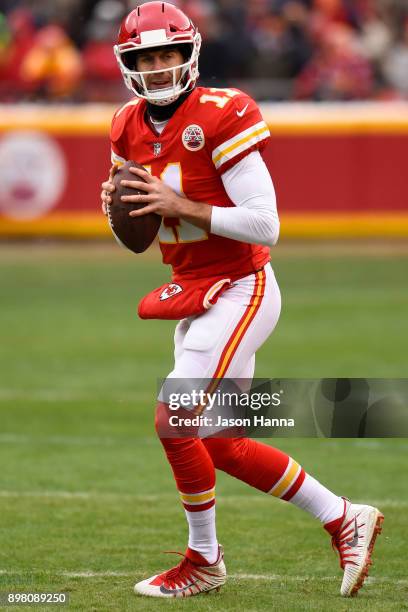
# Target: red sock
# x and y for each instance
(192, 466)
(259, 465)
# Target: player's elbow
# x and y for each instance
(269, 234)
(274, 233)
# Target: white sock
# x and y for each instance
(319, 501)
(202, 534)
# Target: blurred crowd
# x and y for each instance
(274, 49)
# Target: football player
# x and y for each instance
(205, 176)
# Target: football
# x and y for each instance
(134, 233)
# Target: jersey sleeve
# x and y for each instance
(240, 130)
(118, 132)
(117, 159)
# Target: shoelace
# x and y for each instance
(339, 543)
(183, 572)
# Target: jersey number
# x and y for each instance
(172, 229)
(219, 101)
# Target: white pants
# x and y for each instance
(222, 342)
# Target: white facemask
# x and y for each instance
(136, 82)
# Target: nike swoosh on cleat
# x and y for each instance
(171, 591)
(352, 543)
(241, 113)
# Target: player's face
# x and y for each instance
(159, 59)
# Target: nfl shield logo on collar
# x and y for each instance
(156, 148)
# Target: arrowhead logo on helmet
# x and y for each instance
(151, 26)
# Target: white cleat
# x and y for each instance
(192, 576)
(354, 541)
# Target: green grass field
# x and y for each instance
(87, 501)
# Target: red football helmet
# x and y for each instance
(152, 25)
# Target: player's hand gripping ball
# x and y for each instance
(135, 233)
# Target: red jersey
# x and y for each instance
(210, 132)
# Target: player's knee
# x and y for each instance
(226, 453)
(161, 419)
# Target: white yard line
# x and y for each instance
(63, 440)
(238, 576)
(45, 395)
(222, 498)
(67, 395)
(84, 495)
(18, 438)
